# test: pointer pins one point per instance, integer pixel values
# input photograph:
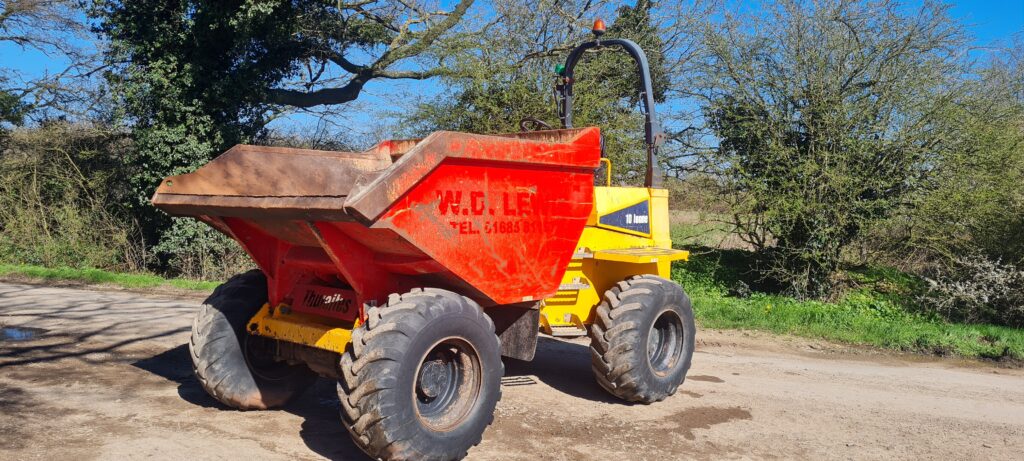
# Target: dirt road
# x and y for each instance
(111, 379)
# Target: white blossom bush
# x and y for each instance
(979, 289)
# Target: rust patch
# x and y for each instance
(255, 171)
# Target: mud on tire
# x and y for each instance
(231, 365)
(641, 343)
(421, 378)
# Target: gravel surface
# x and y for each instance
(110, 378)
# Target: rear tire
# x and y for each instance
(641, 343)
(232, 366)
(422, 377)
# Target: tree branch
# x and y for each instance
(327, 96)
(407, 44)
(427, 38)
(412, 75)
(344, 63)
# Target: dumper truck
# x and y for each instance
(408, 271)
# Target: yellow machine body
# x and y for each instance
(627, 234)
(319, 332)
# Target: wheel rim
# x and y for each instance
(665, 342)
(447, 384)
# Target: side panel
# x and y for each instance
(575, 306)
(586, 279)
(508, 230)
(660, 225)
(620, 210)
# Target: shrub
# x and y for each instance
(193, 250)
(979, 290)
(58, 195)
(823, 112)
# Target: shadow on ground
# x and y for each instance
(565, 367)
(561, 365)
(321, 429)
(93, 331)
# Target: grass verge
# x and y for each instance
(876, 312)
(97, 276)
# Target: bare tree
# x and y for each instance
(335, 76)
(55, 29)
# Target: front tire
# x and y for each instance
(232, 366)
(422, 377)
(642, 341)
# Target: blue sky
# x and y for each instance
(990, 22)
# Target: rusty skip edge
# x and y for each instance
(282, 183)
(368, 203)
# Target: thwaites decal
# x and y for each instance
(636, 218)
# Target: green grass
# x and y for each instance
(878, 312)
(97, 276)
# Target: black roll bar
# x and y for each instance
(653, 134)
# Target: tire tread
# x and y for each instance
(616, 333)
(371, 360)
